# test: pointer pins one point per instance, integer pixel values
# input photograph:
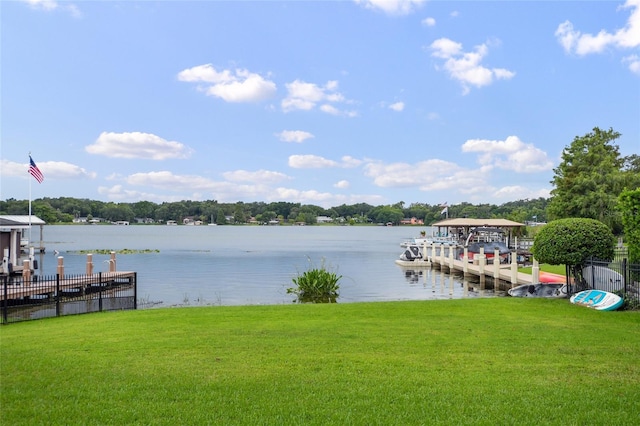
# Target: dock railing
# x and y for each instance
(34, 297)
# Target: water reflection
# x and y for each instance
(453, 286)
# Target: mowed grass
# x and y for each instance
(470, 361)
(554, 269)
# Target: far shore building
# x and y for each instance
(412, 221)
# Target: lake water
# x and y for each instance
(244, 265)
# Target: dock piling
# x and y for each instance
(60, 267)
(89, 268)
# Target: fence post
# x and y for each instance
(135, 290)
(624, 274)
(100, 291)
(5, 283)
(58, 296)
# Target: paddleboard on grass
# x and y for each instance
(550, 290)
(597, 299)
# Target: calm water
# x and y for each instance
(241, 265)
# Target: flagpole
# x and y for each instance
(29, 202)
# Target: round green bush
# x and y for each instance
(572, 241)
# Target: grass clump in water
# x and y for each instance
(316, 285)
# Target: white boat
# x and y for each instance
(434, 239)
(413, 256)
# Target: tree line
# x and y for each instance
(66, 209)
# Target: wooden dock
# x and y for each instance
(445, 260)
(20, 289)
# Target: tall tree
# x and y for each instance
(589, 179)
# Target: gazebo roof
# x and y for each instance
(19, 221)
(467, 222)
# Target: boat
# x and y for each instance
(548, 290)
(434, 239)
(550, 277)
(489, 239)
(413, 256)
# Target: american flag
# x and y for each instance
(35, 171)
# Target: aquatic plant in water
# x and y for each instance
(316, 285)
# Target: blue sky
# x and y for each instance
(325, 102)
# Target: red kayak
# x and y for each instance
(548, 277)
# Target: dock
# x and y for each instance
(443, 257)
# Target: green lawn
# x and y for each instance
(554, 269)
(470, 361)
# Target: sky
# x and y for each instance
(312, 102)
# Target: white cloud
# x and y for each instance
(429, 22)
(169, 180)
(574, 41)
(310, 162)
(50, 170)
(634, 63)
(350, 162)
(51, 5)
(13, 169)
(510, 154)
(306, 96)
(397, 106)
(64, 170)
(317, 162)
(193, 187)
(517, 192)
(238, 85)
(137, 145)
(397, 175)
(297, 136)
(466, 67)
(392, 7)
(343, 184)
(259, 176)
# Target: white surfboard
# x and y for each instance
(597, 299)
(601, 278)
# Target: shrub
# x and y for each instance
(572, 241)
(317, 285)
(629, 205)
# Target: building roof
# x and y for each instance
(19, 221)
(467, 222)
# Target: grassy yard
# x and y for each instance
(554, 269)
(470, 361)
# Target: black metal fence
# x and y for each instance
(41, 297)
(617, 276)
